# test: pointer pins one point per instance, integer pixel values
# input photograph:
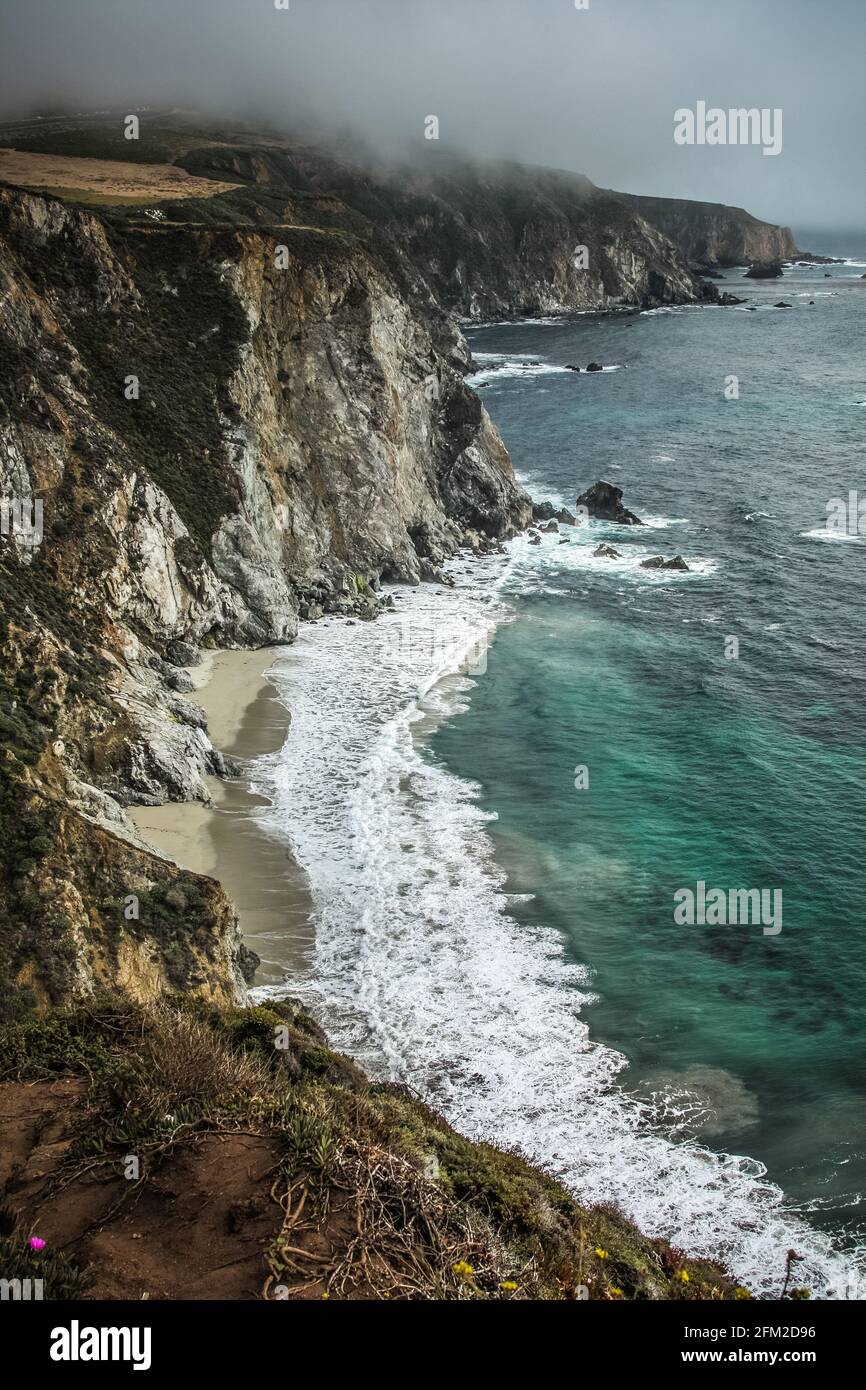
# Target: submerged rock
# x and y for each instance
(604, 502)
(606, 552)
(658, 562)
(595, 367)
(782, 305)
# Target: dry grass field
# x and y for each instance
(104, 181)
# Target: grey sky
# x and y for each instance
(592, 90)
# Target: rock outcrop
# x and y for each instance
(658, 562)
(603, 502)
(545, 511)
(765, 270)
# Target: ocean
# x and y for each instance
(500, 935)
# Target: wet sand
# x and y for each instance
(223, 840)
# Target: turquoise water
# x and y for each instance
(744, 773)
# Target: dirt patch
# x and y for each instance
(104, 180)
(196, 1230)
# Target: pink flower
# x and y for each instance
(36, 1243)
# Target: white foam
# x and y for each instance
(511, 368)
(829, 533)
(578, 555)
(421, 972)
(549, 320)
(508, 366)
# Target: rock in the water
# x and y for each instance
(606, 552)
(658, 562)
(782, 305)
(549, 526)
(570, 367)
(535, 540)
(764, 270)
(725, 300)
(604, 502)
(545, 511)
(595, 367)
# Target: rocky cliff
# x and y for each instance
(236, 412)
(226, 429)
(710, 234)
(484, 240)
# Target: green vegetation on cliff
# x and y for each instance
(360, 1189)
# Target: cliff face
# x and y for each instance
(225, 431)
(710, 234)
(483, 240)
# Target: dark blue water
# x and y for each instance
(747, 772)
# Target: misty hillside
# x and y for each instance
(487, 238)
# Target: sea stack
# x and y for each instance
(603, 501)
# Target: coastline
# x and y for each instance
(225, 839)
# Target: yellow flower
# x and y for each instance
(509, 1285)
(683, 1276)
(326, 1294)
(602, 1254)
(463, 1270)
(615, 1292)
(740, 1292)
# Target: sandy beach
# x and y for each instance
(224, 840)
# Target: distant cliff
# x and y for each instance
(486, 240)
(710, 234)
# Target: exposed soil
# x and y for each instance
(197, 1229)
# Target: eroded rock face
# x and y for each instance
(603, 501)
(221, 444)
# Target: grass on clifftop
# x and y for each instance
(374, 1195)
